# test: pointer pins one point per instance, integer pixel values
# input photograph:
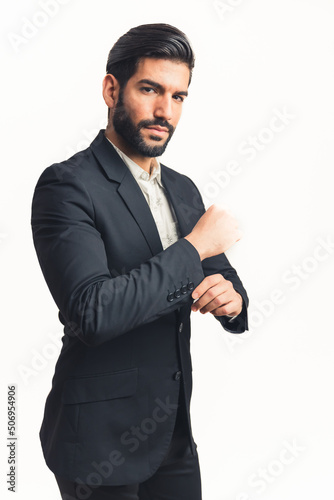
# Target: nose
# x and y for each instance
(163, 108)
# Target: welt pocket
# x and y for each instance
(100, 387)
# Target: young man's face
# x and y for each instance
(152, 97)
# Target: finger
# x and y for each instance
(219, 296)
(223, 310)
(211, 300)
(210, 294)
(219, 301)
(223, 287)
(206, 284)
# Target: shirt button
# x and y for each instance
(181, 327)
(177, 375)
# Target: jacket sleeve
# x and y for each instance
(94, 305)
(219, 264)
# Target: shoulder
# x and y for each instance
(63, 187)
(74, 169)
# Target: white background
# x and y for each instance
(254, 394)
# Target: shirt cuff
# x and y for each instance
(232, 318)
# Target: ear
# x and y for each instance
(110, 90)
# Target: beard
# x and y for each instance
(131, 132)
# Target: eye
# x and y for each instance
(181, 99)
(147, 89)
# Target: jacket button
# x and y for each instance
(177, 375)
(170, 297)
(177, 293)
(184, 289)
(181, 327)
(190, 285)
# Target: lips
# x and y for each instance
(158, 130)
(157, 127)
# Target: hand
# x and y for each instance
(214, 232)
(217, 296)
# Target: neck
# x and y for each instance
(145, 162)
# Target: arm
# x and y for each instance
(94, 305)
(220, 264)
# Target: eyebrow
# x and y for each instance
(160, 87)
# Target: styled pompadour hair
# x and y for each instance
(159, 41)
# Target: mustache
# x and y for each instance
(159, 123)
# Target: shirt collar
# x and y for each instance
(137, 171)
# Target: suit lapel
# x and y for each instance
(128, 189)
(140, 210)
(183, 211)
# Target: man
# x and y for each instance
(125, 245)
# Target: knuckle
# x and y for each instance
(217, 302)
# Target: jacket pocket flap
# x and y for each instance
(100, 387)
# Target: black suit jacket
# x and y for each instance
(125, 306)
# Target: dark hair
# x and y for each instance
(160, 41)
